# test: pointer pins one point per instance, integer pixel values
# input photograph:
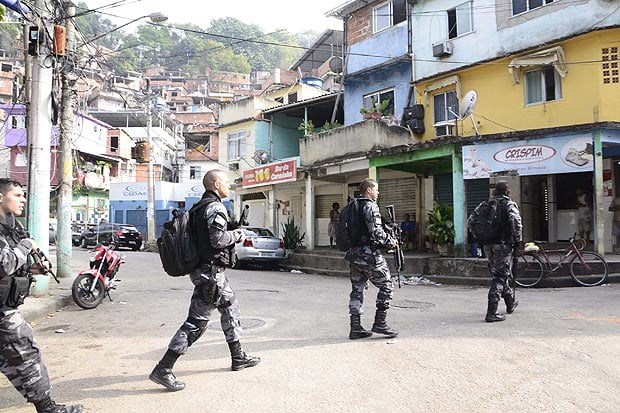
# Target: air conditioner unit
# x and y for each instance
(442, 49)
(233, 166)
(445, 129)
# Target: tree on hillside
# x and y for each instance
(91, 25)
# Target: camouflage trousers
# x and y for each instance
(206, 298)
(500, 266)
(20, 358)
(379, 275)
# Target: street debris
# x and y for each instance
(392, 341)
(413, 280)
(297, 272)
(59, 331)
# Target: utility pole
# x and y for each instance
(150, 181)
(65, 162)
(39, 136)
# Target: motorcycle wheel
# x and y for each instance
(82, 294)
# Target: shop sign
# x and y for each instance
(563, 154)
(274, 173)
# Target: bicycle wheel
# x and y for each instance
(589, 270)
(530, 270)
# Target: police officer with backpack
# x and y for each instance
(504, 233)
(20, 356)
(212, 291)
(368, 263)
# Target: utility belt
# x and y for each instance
(14, 290)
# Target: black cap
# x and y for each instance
(501, 187)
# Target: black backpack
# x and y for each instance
(350, 231)
(487, 222)
(178, 253)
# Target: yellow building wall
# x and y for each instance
(501, 104)
(249, 144)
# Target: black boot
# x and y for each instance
(511, 303)
(492, 314)
(162, 373)
(47, 405)
(240, 359)
(381, 327)
(357, 331)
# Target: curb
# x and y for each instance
(37, 307)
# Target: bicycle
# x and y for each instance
(587, 268)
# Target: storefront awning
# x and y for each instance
(441, 83)
(553, 56)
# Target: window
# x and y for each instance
(13, 122)
(460, 20)
(446, 107)
(113, 144)
(236, 145)
(542, 85)
(521, 6)
(388, 14)
(194, 172)
(292, 98)
(377, 98)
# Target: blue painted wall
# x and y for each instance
(261, 137)
(378, 49)
(396, 75)
(285, 136)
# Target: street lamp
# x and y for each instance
(156, 17)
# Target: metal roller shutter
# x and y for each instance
(477, 190)
(400, 193)
(323, 204)
(443, 189)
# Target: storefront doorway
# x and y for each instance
(535, 207)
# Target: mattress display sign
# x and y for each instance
(274, 173)
(562, 154)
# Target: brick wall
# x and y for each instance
(359, 26)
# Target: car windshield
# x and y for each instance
(261, 232)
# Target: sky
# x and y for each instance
(292, 15)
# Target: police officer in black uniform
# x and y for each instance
(369, 264)
(211, 289)
(20, 356)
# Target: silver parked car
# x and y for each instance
(258, 245)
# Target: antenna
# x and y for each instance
(466, 108)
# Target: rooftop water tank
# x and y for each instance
(316, 82)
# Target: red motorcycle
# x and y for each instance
(92, 285)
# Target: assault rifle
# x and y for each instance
(396, 233)
(39, 257)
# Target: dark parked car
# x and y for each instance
(122, 235)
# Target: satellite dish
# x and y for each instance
(335, 64)
(468, 103)
(261, 156)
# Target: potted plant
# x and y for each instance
(293, 238)
(441, 227)
(376, 110)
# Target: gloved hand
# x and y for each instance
(238, 235)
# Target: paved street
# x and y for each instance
(557, 352)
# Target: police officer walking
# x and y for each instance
(500, 252)
(20, 356)
(211, 289)
(367, 263)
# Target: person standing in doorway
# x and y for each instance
(584, 214)
(615, 230)
(368, 264)
(211, 288)
(408, 227)
(334, 215)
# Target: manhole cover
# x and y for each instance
(418, 305)
(246, 324)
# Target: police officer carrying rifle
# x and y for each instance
(211, 289)
(20, 356)
(368, 263)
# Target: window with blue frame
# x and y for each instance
(388, 14)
